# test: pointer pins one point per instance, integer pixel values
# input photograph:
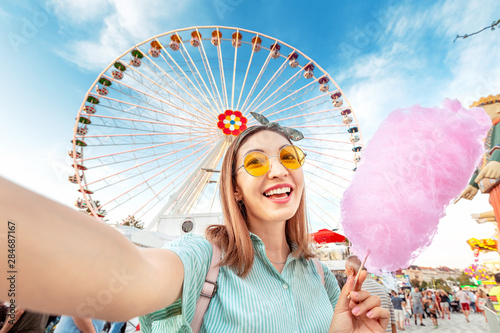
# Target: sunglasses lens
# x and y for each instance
(256, 164)
(292, 157)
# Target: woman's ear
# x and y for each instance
(237, 194)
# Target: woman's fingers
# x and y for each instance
(357, 297)
(367, 305)
(361, 279)
(382, 315)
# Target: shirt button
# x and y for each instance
(285, 286)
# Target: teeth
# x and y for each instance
(278, 191)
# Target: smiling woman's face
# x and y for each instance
(252, 190)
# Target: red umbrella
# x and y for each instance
(327, 236)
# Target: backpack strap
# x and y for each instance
(319, 268)
(207, 291)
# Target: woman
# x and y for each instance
(481, 302)
(265, 263)
(445, 303)
(431, 306)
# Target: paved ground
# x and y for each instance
(456, 324)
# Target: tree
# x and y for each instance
(492, 27)
(424, 285)
(415, 283)
(463, 279)
(441, 284)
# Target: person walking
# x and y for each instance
(25, 321)
(481, 302)
(430, 304)
(398, 303)
(445, 303)
(416, 305)
(464, 299)
(472, 302)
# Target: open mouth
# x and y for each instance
(278, 193)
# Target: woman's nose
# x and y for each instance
(276, 169)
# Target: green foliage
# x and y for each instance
(463, 279)
(415, 283)
(424, 285)
(441, 284)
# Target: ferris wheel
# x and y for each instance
(153, 128)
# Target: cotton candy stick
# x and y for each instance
(359, 271)
(416, 163)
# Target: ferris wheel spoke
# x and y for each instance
(330, 226)
(221, 72)
(234, 73)
(217, 186)
(149, 130)
(328, 140)
(332, 173)
(168, 92)
(197, 160)
(150, 161)
(312, 190)
(308, 115)
(216, 107)
(320, 185)
(325, 180)
(292, 100)
(257, 80)
(148, 147)
(320, 206)
(246, 73)
(142, 97)
(191, 83)
(330, 164)
(211, 77)
(308, 105)
(268, 85)
(204, 120)
(291, 95)
(176, 83)
(148, 188)
(148, 121)
(328, 155)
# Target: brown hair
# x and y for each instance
(233, 237)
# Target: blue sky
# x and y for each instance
(384, 55)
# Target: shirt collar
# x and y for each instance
(259, 245)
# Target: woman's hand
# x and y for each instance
(360, 313)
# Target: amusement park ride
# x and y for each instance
(477, 271)
(153, 128)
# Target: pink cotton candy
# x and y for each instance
(415, 164)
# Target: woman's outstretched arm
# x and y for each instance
(70, 263)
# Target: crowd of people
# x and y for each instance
(413, 304)
(29, 321)
(437, 304)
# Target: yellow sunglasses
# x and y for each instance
(257, 163)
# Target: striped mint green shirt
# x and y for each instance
(264, 301)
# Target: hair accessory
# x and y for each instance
(291, 133)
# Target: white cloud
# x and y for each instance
(74, 12)
(116, 25)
